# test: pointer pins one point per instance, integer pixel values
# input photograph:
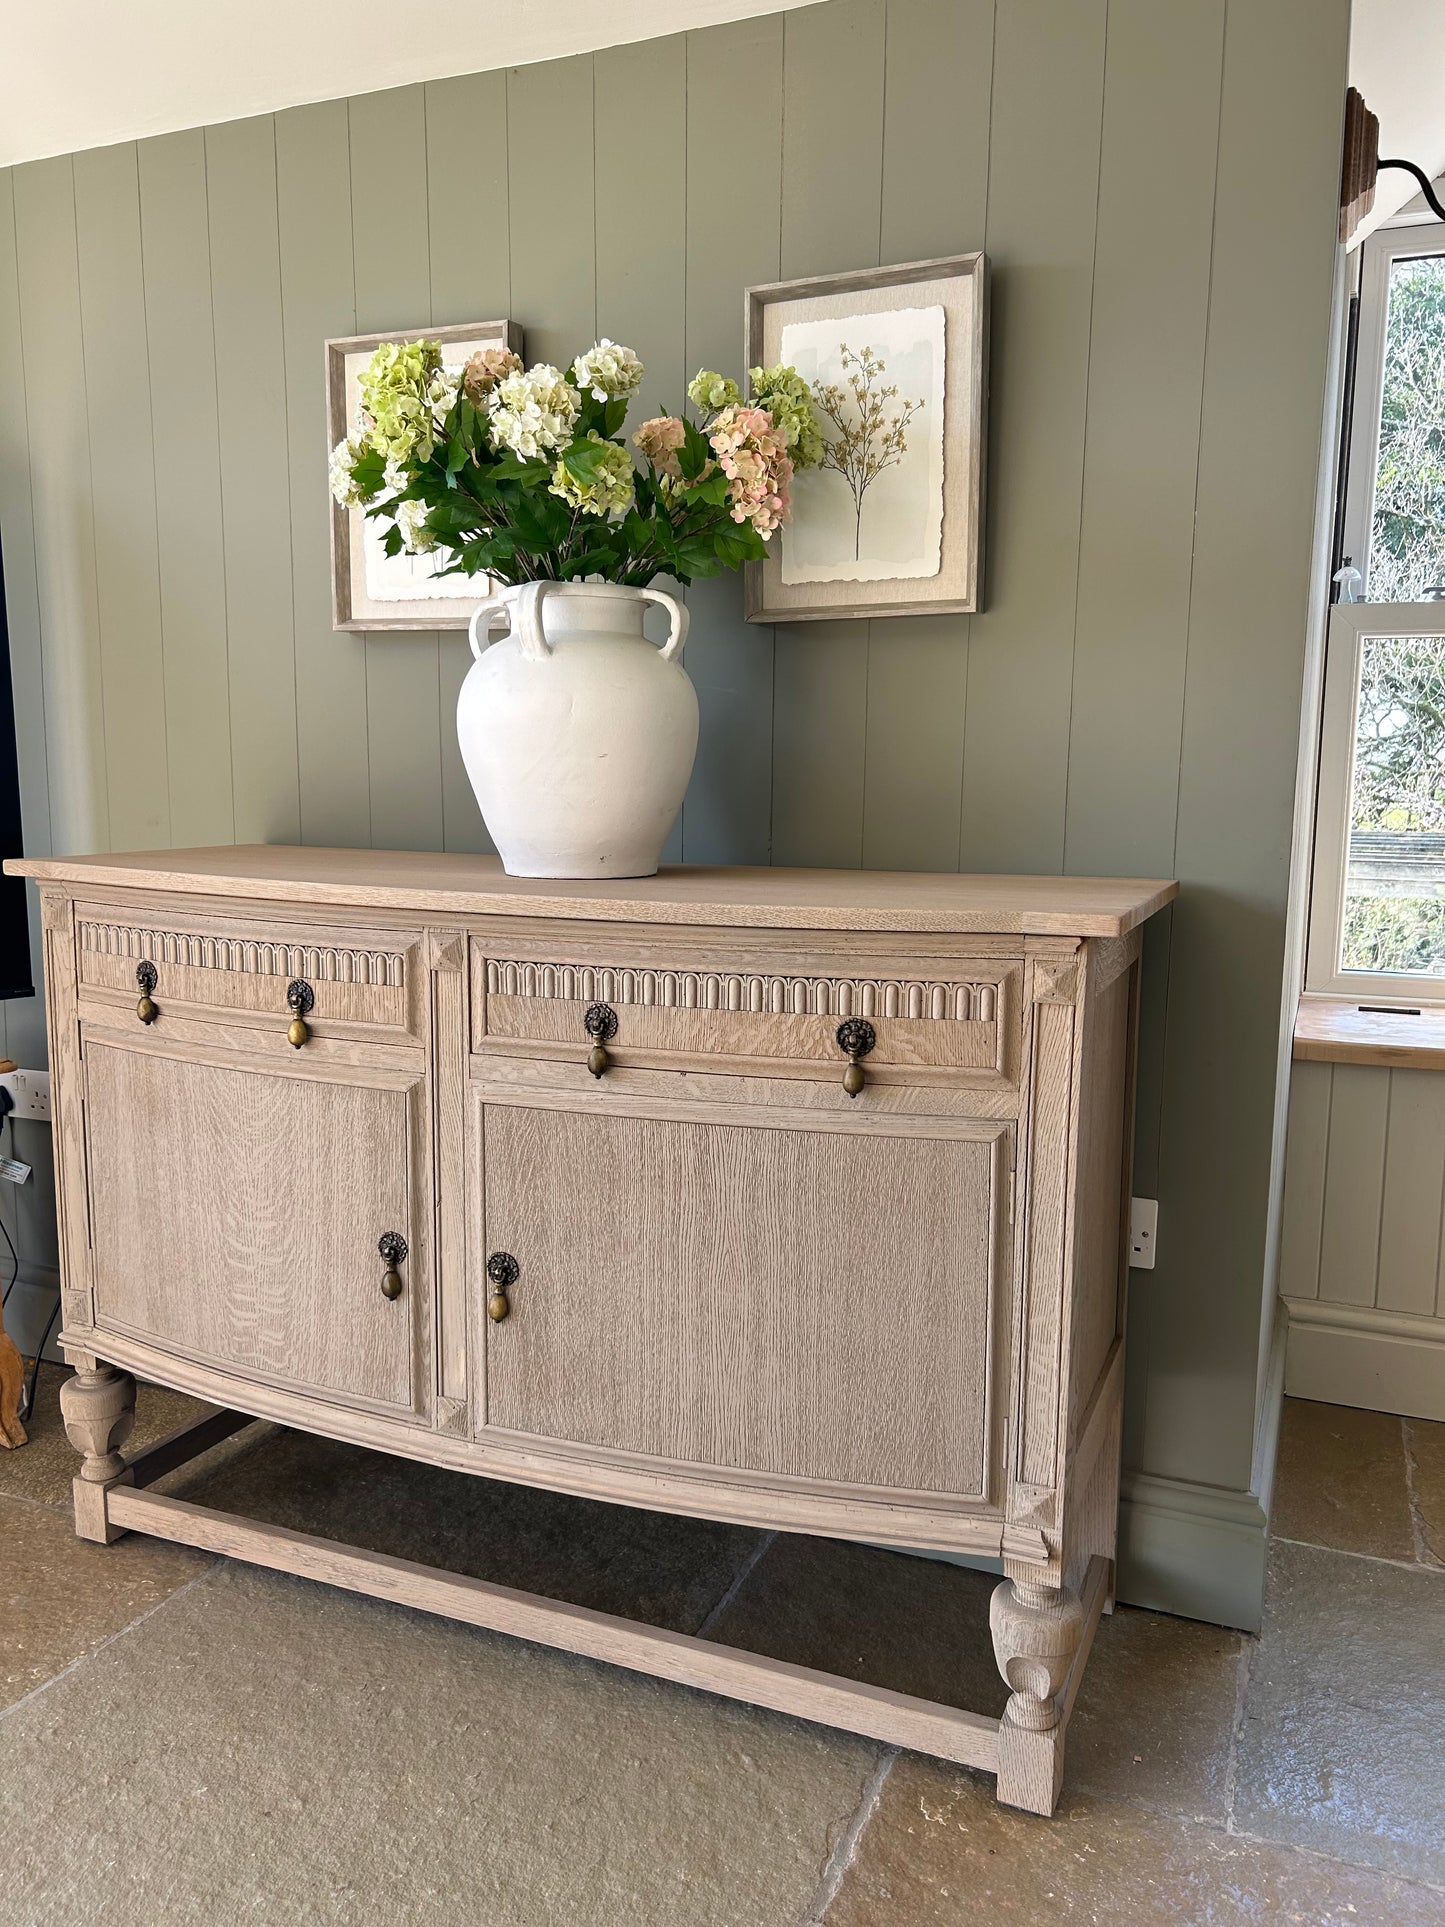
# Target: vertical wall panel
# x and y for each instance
(642, 232)
(1043, 187)
(734, 197)
(1263, 406)
(390, 250)
(1146, 361)
(122, 493)
(28, 1212)
(48, 274)
(313, 193)
(255, 476)
(938, 76)
(832, 186)
(550, 144)
(1306, 1153)
(471, 280)
(180, 340)
(1414, 1175)
(1354, 1184)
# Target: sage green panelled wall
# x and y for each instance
(1154, 181)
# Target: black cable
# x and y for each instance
(1427, 186)
(39, 1354)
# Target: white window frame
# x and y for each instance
(1350, 624)
(1379, 253)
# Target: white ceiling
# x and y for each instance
(1397, 60)
(85, 73)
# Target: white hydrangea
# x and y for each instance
(395, 476)
(344, 485)
(409, 519)
(442, 390)
(609, 370)
(533, 412)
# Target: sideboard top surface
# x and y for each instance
(465, 886)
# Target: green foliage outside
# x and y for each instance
(1399, 780)
(1407, 543)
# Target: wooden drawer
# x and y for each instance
(363, 984)
(960, 1020)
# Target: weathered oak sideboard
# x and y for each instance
(790, 1197)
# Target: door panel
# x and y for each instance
(235, 1216)
(803, 1303)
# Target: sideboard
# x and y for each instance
(791, 1197)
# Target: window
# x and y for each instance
(1377, 914)
(1377, 905)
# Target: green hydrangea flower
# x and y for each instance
(610, 490)
(786, 396)
(395, 394)
(711, 392)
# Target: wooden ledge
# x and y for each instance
(1341, 1030)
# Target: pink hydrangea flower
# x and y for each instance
(659, 440)
(755, 459)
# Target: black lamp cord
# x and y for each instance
(34, 1374)
(1427, 186)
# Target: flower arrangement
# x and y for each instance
(523, 473)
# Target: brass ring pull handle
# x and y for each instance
(600, 1023)
(391, 1247)
(856, 1036)
(503, 1270)
(145, 976)
(299, 999)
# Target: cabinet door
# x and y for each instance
(235, 1216)
(810, 1304)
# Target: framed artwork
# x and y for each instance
(369, 588)
(891, 522)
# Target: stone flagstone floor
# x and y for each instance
(185, 1740)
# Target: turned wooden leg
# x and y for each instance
(98, 1407)
(1036, 1632)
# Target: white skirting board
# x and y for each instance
(1382, 1361)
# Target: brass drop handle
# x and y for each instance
(503, 1270)
(856, 1036)
(145, 976)
(600, 1023)
(392, 1248)
(299, 999)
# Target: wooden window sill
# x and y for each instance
(1335, 1030)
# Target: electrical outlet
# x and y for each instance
(1143, 1232)
(30, 1094)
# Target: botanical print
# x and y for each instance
(872, 510)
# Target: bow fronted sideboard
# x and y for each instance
(791, 1197)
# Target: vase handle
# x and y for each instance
(525, 617)
(677, 611)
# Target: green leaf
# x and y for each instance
(614, 414)
(694, 454)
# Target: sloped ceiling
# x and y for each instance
(1397, 60)
(85, 73)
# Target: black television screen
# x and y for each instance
(15, 975)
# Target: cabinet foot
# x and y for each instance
(98, 1407)
(1036, 1634)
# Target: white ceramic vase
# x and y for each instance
(578, 735)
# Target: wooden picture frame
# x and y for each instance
(958, 284)
(352, 606)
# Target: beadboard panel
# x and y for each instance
(1127, 699)
(1362, 1263)
(1364, 1186)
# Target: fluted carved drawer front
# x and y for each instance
(805, 1304)
(236, 1217)
(340, 983)
(962, 1019)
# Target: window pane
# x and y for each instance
(1407, 539)
(1395, 880)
